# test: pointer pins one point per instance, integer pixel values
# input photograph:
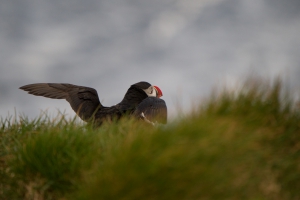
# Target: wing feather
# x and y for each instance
(154, 109)
(83, 100)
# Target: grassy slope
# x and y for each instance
(243, 145)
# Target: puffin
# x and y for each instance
(141, 101)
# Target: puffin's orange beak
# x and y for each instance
(158, 92)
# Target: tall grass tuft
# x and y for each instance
(241, 144)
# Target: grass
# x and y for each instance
(237, 145)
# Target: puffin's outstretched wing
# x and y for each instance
(153, 109)
(83, 100)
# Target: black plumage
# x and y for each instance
(153, 108)
(85, 101)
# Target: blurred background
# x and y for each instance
(186, 47)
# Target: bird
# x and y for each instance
(142, 101)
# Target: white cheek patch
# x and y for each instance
(148, 91)
(153, 94)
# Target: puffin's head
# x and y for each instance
(150, 90)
